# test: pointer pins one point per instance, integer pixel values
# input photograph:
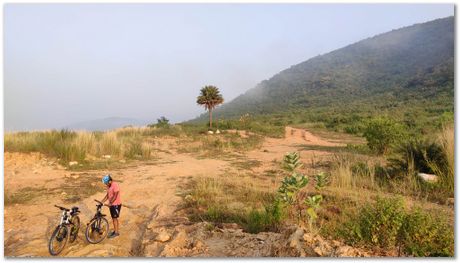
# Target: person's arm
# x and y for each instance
(105, 198)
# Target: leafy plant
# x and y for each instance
(291, 161)
(313, 203)
(290, 186)
(321, 179)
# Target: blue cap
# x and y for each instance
(106, 179)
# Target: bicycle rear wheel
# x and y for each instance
(74, 228)
(97, 230)
(58, 240)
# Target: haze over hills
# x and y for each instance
(106, 124)
(402, 72)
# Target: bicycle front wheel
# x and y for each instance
(97, 230)
(75, 227)
(58, 240)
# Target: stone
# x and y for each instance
(73, 163)
(163, 237)
(217, 132)
(106, 156)
(450, 201)
(210, 132)
(428, 177)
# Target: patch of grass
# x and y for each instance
(83, 147)
(272, 173)
(76, 189)
(226, 200)
(350, 148)
(246, 164)
(98, 165)
(219, 145)
(24, 196)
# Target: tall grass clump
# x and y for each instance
(433, 156)
(70, 146)
(109, 145)
(349, 173)
(446, 171)
(54, 143)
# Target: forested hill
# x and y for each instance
(406, 72)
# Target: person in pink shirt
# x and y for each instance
(114, 202)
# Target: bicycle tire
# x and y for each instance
(103, 225)
(74, 229)
(54, 236)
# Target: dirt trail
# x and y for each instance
(151, 224)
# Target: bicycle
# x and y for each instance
(98, 228)
(67, 230)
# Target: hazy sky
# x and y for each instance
(66, 63)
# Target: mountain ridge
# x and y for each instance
(379, 69)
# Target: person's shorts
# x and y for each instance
(115, 211)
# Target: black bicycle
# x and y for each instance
(66, 230)
(98, 228)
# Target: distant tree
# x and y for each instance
(209, 97)
(162, 122)
(381, 133)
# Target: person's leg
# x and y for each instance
(115, 225)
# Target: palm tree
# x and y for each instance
(209, 97)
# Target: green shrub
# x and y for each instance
(381, 133)
(423, 235)
(162, 122)
(376, 224)
(389, 225)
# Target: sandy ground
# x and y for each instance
(151, 194)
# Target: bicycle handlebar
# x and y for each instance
(99, 202)
(62, 208)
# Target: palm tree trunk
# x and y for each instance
(210, 118)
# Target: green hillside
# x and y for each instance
(406, 73)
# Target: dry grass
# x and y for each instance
(447, 141)
(347, 174)
(82, 146)
(228, 200)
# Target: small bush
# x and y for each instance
(389, 225)
(423, 235)
(381, 133)
(379, 225)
